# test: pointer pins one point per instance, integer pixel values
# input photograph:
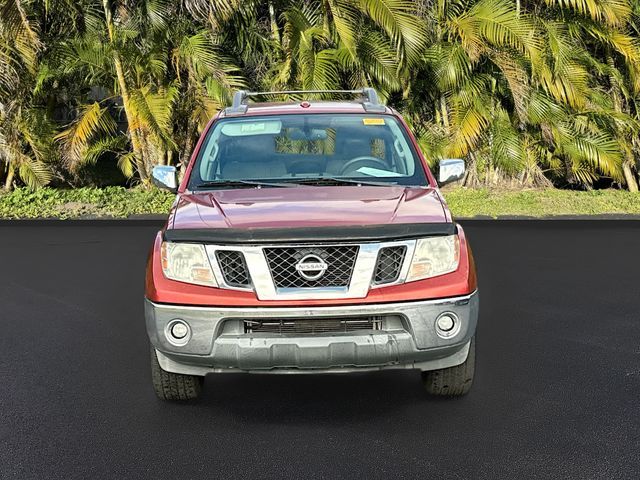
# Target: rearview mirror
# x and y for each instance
(450, 170)
(165, 177)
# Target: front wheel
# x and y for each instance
(173, 386)
(453, 381)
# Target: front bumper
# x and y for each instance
(217, 341)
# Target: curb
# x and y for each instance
(159, 219)
(146, 220)
(600, 216)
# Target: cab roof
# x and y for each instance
(303, 106)
(367, 102)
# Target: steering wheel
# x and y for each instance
(348, 167)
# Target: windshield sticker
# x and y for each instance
(373, 121)
(252, 127)
(243, 129)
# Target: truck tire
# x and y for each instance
(453, 381)
(173, 386)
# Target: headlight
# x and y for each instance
(187, 262)
(434, 256)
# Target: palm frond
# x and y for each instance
(506, 145)
(495, 22)
(469, 122)
(624, 44)
(396, 18)
(115, 144)
(543, 109)
(34, 173)
(127, 164)
(213, 10)
(612, 12)
(598, 150)
(376, 57)
(152, 110)
(156, 12)
(345, 20)
(451, 64)
(93, 119)
(18, 28)
(514, 71)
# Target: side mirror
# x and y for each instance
(450, 170)
(165, 177)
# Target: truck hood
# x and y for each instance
(308, 207)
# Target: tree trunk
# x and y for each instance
(148, 150)
(630, 178)
(133, 131)
(186, 153)
(275, 31)
(126, 98)
(8, 184)
(445, 113)
(470, 178)
(569, 176)
(616, 96)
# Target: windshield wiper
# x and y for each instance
(240, 183)
(324, 180)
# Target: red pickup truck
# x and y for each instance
(309, 237)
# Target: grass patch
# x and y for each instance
(119, 202)
(116, 202)
(465, 202)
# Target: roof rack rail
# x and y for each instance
(370, 102)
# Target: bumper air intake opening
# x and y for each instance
(312, 326)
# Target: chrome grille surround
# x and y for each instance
(360, 282)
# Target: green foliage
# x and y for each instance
(119, 202)
(83, 202)
(529, 93)
(531, 96)
(465, 202)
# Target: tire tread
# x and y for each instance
(173, 386)
(453, 381)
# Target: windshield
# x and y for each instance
(373, 149)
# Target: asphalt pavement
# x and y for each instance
(557, 391)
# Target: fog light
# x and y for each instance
(178, 332)
(447, 325)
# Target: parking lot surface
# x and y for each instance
(557, 392)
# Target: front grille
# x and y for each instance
(339, 260)
(233, 267)
(389, 264)
(311, 326)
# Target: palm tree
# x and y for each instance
(469, 98)
(168, 76)
(25, 129)
(512, 89)
(529, 92)
(609, 58)
(328, 44)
